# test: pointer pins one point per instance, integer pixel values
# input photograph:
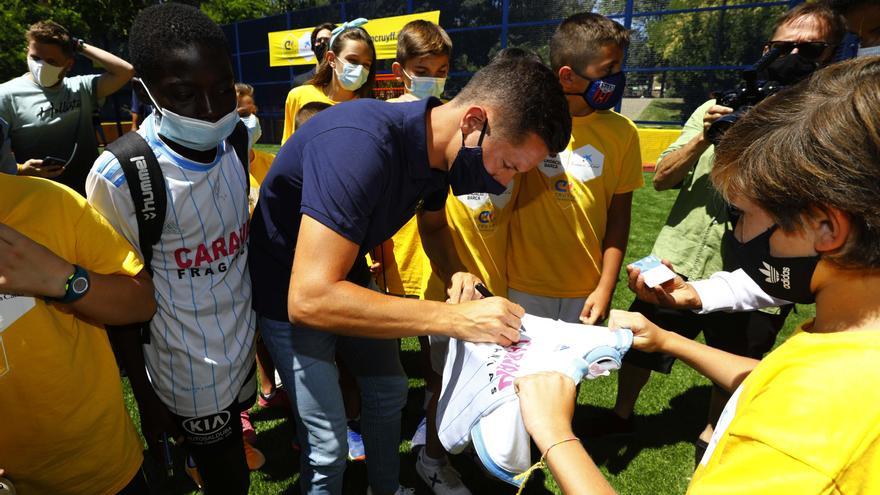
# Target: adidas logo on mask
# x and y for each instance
(773, 275)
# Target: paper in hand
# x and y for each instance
(654, 272)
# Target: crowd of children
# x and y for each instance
(218, 268)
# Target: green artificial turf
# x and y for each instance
(670, 413)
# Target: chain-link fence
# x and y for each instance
(681, 50)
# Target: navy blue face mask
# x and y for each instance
(468, 174)
(604, 93)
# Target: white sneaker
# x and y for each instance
(442, 480)
(401, 490)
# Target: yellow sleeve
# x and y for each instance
(290, 108)
(750, 466)
(100, 249)
(631, 177)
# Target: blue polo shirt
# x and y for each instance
(360, 168)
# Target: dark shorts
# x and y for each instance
(215, 443)
(750, 334)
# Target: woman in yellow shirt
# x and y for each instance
(347, 72)
(802, 170)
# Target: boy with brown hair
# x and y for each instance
(422, 65)
(571, 222)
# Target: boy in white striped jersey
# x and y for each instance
(201, 356)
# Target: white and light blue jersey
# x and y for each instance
(202, 335)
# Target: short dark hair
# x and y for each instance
(308, 111)
(329, 26)
(527, 95)
(169, 26)
(517, 52)
(820, 10)
(579, 38)
(51, 33)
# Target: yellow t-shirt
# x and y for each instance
(806, 421)
(559, 221)
(296, 98)
(258, 169)
(405, 266)
(479, 224)
(63, 424)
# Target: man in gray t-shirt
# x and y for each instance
(50, 115)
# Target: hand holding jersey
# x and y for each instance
(479, 406)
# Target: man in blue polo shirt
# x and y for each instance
(345, 182)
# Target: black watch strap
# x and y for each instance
(77, 286)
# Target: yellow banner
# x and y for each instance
(294, 47)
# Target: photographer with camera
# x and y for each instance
(698, 230)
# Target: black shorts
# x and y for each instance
(215, 443)
(750, 334)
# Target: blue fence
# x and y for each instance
(681, 50)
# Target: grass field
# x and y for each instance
(658, 460)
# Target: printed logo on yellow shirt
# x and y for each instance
(483, 208)
(584, 163)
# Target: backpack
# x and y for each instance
(147, 186)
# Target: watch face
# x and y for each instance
(80, 285)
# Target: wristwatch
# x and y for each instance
(76, 287)
(77, 43)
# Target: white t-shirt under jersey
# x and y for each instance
(202, 336)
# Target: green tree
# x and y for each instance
(102, 22)
(709, 38)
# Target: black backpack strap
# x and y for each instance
(146, 183)
(147, 186)
(239, 140)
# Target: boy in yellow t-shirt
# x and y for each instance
(422, 64)
(571, 221)
(64, 272)
(403, 268)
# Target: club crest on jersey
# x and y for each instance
(486, 216)
(207, 425)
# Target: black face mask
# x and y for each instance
(468, 174)
(320, 49)
(790, 69)
(782, 278)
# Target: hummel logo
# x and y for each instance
(773, 275)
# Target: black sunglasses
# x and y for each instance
(811, 50)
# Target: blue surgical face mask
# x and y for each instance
(604, 93)
(353, 76)
(199, 135)
(253, 127)
(468, 173)
(424, 87)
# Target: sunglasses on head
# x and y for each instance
(811, 50)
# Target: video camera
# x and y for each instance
(750, 92)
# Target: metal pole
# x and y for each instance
(505, 17)
(627, 23)
(237, 53)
